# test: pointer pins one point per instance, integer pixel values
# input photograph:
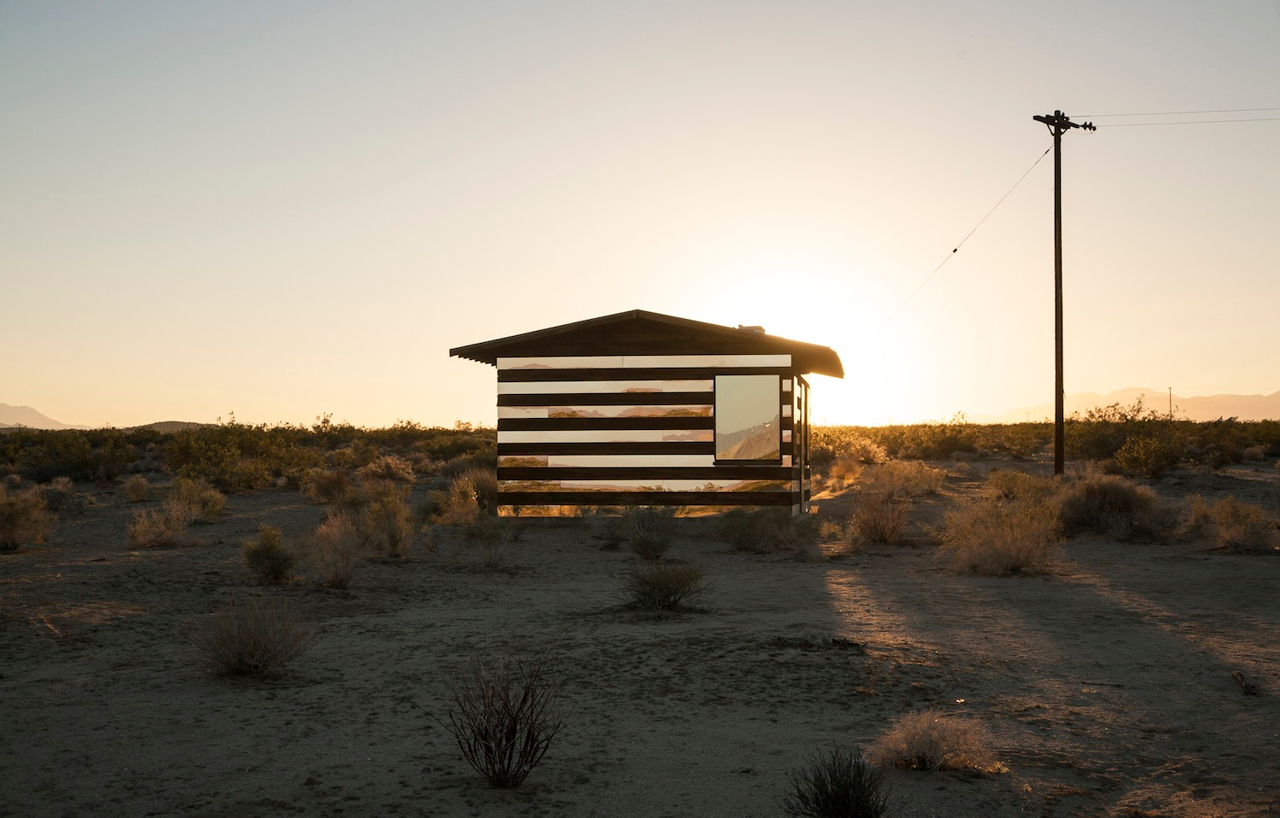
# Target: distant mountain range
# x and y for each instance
(25, 417)
(1207, 407)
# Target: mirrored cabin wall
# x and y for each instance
(642, 430)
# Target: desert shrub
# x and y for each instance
(877, 519)
(1018, 485)
(902, 478)
(1110, 504)
(166, 526)
(1148, 456)
(24, 518)
(207, 501)
(11, 481)
(484, 481)
(267, 557)
(456, 504)
(836, 784)
(1254, 453)
(663, 586)
(647, 531)
(60, 495)
(1235, 526)
(388, 467)
(505, 717)
(767, 530)
(491, 534)
(137, 489)
(933, 740)
(326, 485)
(334, 551)
(249, 639)
(996, 537)
(386, 524)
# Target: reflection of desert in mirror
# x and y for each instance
(748, 413)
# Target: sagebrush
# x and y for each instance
(253, 638)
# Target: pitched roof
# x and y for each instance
(639, 332)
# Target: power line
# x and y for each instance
(956, 249)
(1188, 113)
(1191, 122)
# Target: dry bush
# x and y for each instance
(267, 557)
(663, 586)
(768, 530)
(505, 717)
(326, 486)
(335, 551)
(837, 784)
(484, 481)
(24, 518)
(457, 503)
(1240, 528)
(388, 467)
(207, 501)
(648, 531)
(876, 518)
(1113, 505)
(166, 526)
(1018, 485)
(1254, 453)
(137, 489)
(60, 495)
(11, 481)
(933, 740)
(491, 534)
(250, 639)
(995, 537)
(384, 520)
(902, 478)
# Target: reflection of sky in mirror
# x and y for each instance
(743, 401)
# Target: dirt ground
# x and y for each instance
(1107, 685)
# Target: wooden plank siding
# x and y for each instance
(633, 430)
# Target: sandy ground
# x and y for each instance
(1107, 685)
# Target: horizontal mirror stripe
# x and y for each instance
(594, 461)
(610, 486)
(679, 448)
(676, 410)
(631, 361)
(560, 387)
(633, 374)
(605, 436)
(530, 424)
(645, 473)
(606, 399)
(649, 498)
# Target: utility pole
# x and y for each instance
(1058, 124)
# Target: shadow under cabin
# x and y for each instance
(644, 409)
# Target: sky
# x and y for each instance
(285, 210)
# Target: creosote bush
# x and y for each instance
(249, 639)
(137, 489)
(505, 717)
(902, 478)
(326, 485)
(457, 504)
(1109, 504)
(877, 519)
(647, 531)
(1240, 528)
(24, 517)
(335, 551)
(663, 586)
(839, 783)
(994, 537)
(933, 740)
(388, 467)
(206, 501)
(768, 530)
(166, 526)
(60, 496)
(383, 518)
(267, 557)
(491, 534)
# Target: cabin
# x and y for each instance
(640, 408)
